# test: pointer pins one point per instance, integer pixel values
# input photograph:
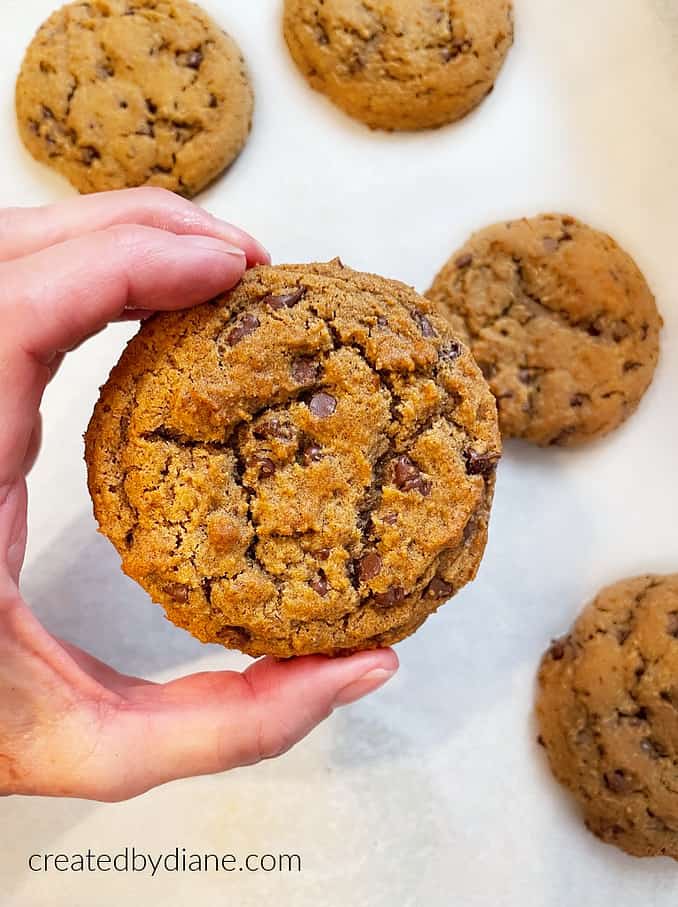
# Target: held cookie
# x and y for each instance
(561, 322)
(304, 465)
(608, 714)
(400, 64)
(122, 93)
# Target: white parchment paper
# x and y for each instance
(433, 791)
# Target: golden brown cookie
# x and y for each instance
(608, 714)
(561, 322)
(400, 64)
(121, 93)
(304, 465)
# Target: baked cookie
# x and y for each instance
(561, 322)
(400, 64)
(121, 93)
(304, 465)
(608, 714)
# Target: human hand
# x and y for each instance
(69, 724)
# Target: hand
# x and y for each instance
(69, 724)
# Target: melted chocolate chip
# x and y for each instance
(319, 584)
(305, 371)
(389, 598)
(322, 405)
(369, 567)
(177, 591)
(438, 588)
(408, 477)
(247, 325)
(464, 261)
(286, 300)
(478, 464)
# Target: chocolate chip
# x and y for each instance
(438, 588)
(247, 325)
(193, 59)
(305, 371)
(286, 300)
(312, 454)
(480, 464)
(369, 567)
(382, 322)
(577, 400)
(389, 598)
(177, 591)
(540, 741)
(672, 624)
(594, 330)
(450, 351)
(632, 366)
(424, 324)
(265, 465)
(319, 584)
(464, 261)
(47, 112)
(550, 244)
(618, 782)
(89, 154)
(105, 70)
(151, 107)
(390, 518)
(274, 428)
(213, 102)
(322, 405)
(408, 477)
(557, 650)
(323, 554)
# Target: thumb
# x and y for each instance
(212, 722)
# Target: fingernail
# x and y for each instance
(209, 244)
(366, 684)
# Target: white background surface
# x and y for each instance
(432, 792)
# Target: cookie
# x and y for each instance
(122, 93)
(410, 64)
(561, 322)
(305, 465)
(608, 714)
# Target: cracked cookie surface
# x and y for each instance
(305, 465)
(561, 322)
(400, 64)
(608, 714)
(122, 93)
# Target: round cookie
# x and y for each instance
(400, 64)
(561, 322)
(303, 465)
(608, 714)
(122, 93)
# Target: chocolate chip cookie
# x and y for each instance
(608, 714)
(121, 93)
(561, 322)
(400, 64)
(303, 465)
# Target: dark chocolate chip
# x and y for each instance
(312, 454)
(405, 473)
(540, 741)
(424, 324)
(177, 591)
(618, 782)
(369, 567)
(450, 351)
(632, 366)
(151, 107)
(322, 405)
(213, 102)
(480, 464)
(89, 154)
(389, 598)
(319, 584)
(286, 300)
(550, 244)
(672, 624)
(193, 59)
(305, 371)
(557, 650)
(323, 554)
(577, 400)
(246, 326)
(464, 261)
(438, 588)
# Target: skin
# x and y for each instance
(70, 725)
